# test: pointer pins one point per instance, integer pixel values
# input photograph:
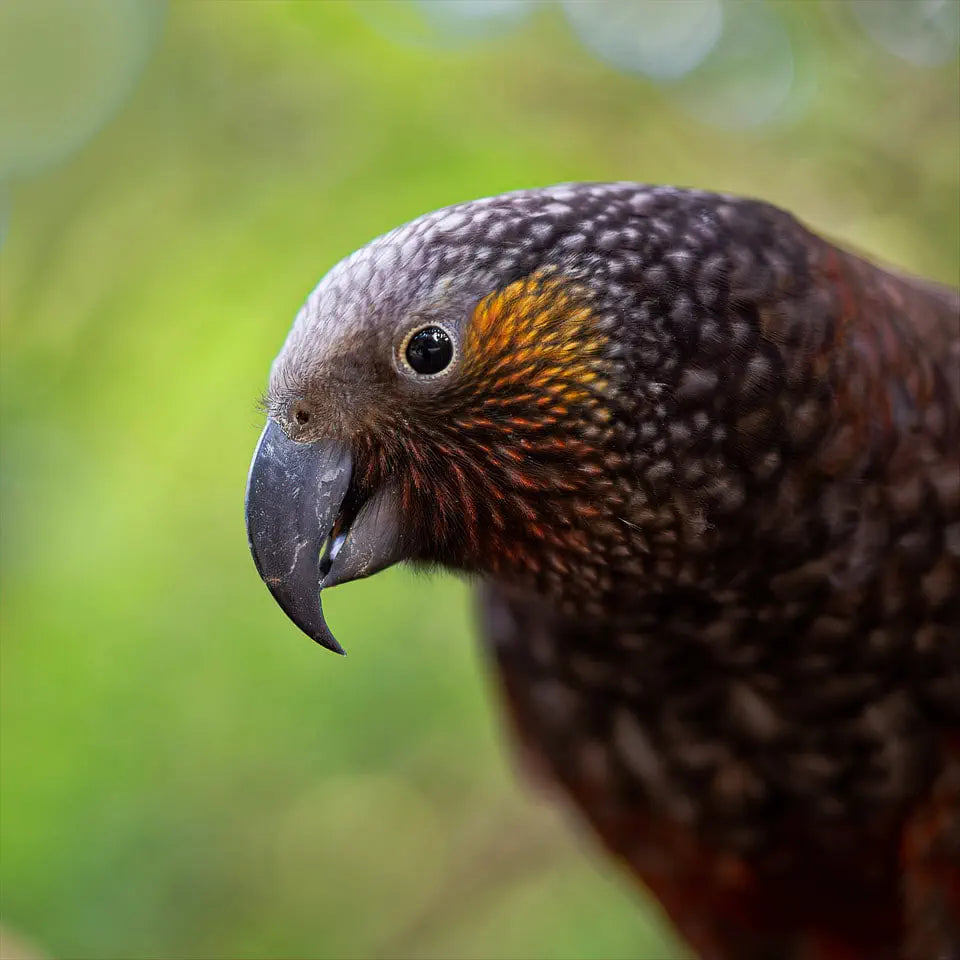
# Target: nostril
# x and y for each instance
(301, 414)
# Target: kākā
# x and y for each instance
(706, 466)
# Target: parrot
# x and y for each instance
(703, 466)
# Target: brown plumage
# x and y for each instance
(706, 464)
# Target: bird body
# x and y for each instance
(706, 464)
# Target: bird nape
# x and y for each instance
(705, 465)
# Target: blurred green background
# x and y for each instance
(183, 773)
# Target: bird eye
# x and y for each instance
(429, 351)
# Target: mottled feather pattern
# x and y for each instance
(793, 647)
(707, 462)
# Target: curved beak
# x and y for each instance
(301, 537)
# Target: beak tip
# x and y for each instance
(320, 633)
(288, 521)
(330, 643)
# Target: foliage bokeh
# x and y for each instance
(183, 774)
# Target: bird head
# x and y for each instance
(484, 389)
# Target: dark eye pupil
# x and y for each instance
(429, 350)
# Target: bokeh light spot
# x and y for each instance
(662, 39)
(748, 77)
(925, 33)
(444, 23)
(64, 69)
